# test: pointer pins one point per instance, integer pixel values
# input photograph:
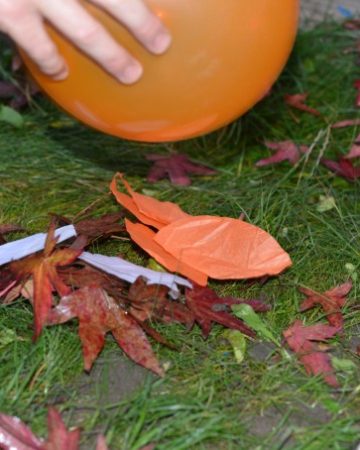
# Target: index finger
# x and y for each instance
(143, 23)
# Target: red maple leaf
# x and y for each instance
(331, 301)
(18, 95)
(319, 363)
(346, 123)
(297, 101)
(176, 167)
(148, 302)
(15, 435)
(208, 307)
(99, 314)
(43, 269)
(59, 438)
(284, 151)
(8, 228)
(301, 340)
(352, 24)
(7, 281)
(354, 152)
(357, 87)
(343, 168)
(78, 276)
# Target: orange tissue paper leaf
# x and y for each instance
(147, 209)
(223, 248)
(144, 237)
(202, 246)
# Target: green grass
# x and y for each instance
(207, 400)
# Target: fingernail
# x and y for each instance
(64, 73)
(131, 74)
(161, 42)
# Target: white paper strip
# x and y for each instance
(113, 265)
(32, 244)
(128, 271)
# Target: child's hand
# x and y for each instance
(23, 20)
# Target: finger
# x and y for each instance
(91, 37)
(141, 21)
(29, 33)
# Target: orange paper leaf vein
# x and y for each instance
(200, 246)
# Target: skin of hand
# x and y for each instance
(23, 21)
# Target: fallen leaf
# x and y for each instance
(8, 336)
(7, 281)
(79, 276)
(42, 268)
(300, 339)
(297, 101)
(151, 302)
(148, 447)
(332, 301)
(10, 228)
(357, 87)
(345, 365)
(8, 89)
(319, 363)
(19, 94)
(11, 116)
(101, 443)
(352, 271)
(238, 343)
(326, 203)
(15, 290)
(346, 123)
(200, 300)
(100, 227)
(297, 335)
(284, 151)
(352, 24)
(248, 315)
(59, 438)
(99, 314)
(176, 167)
(15, 435)
(354, 151)
(343, 168)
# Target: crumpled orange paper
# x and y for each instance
(200, 246)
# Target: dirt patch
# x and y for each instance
(278, 427)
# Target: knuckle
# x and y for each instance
(150, 28)
(47, 51)
(10, 13)
(108, 3)
(89, 34)
(116, 63)
(10, 8)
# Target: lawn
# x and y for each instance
(207, 400)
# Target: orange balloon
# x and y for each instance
(225, 56)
